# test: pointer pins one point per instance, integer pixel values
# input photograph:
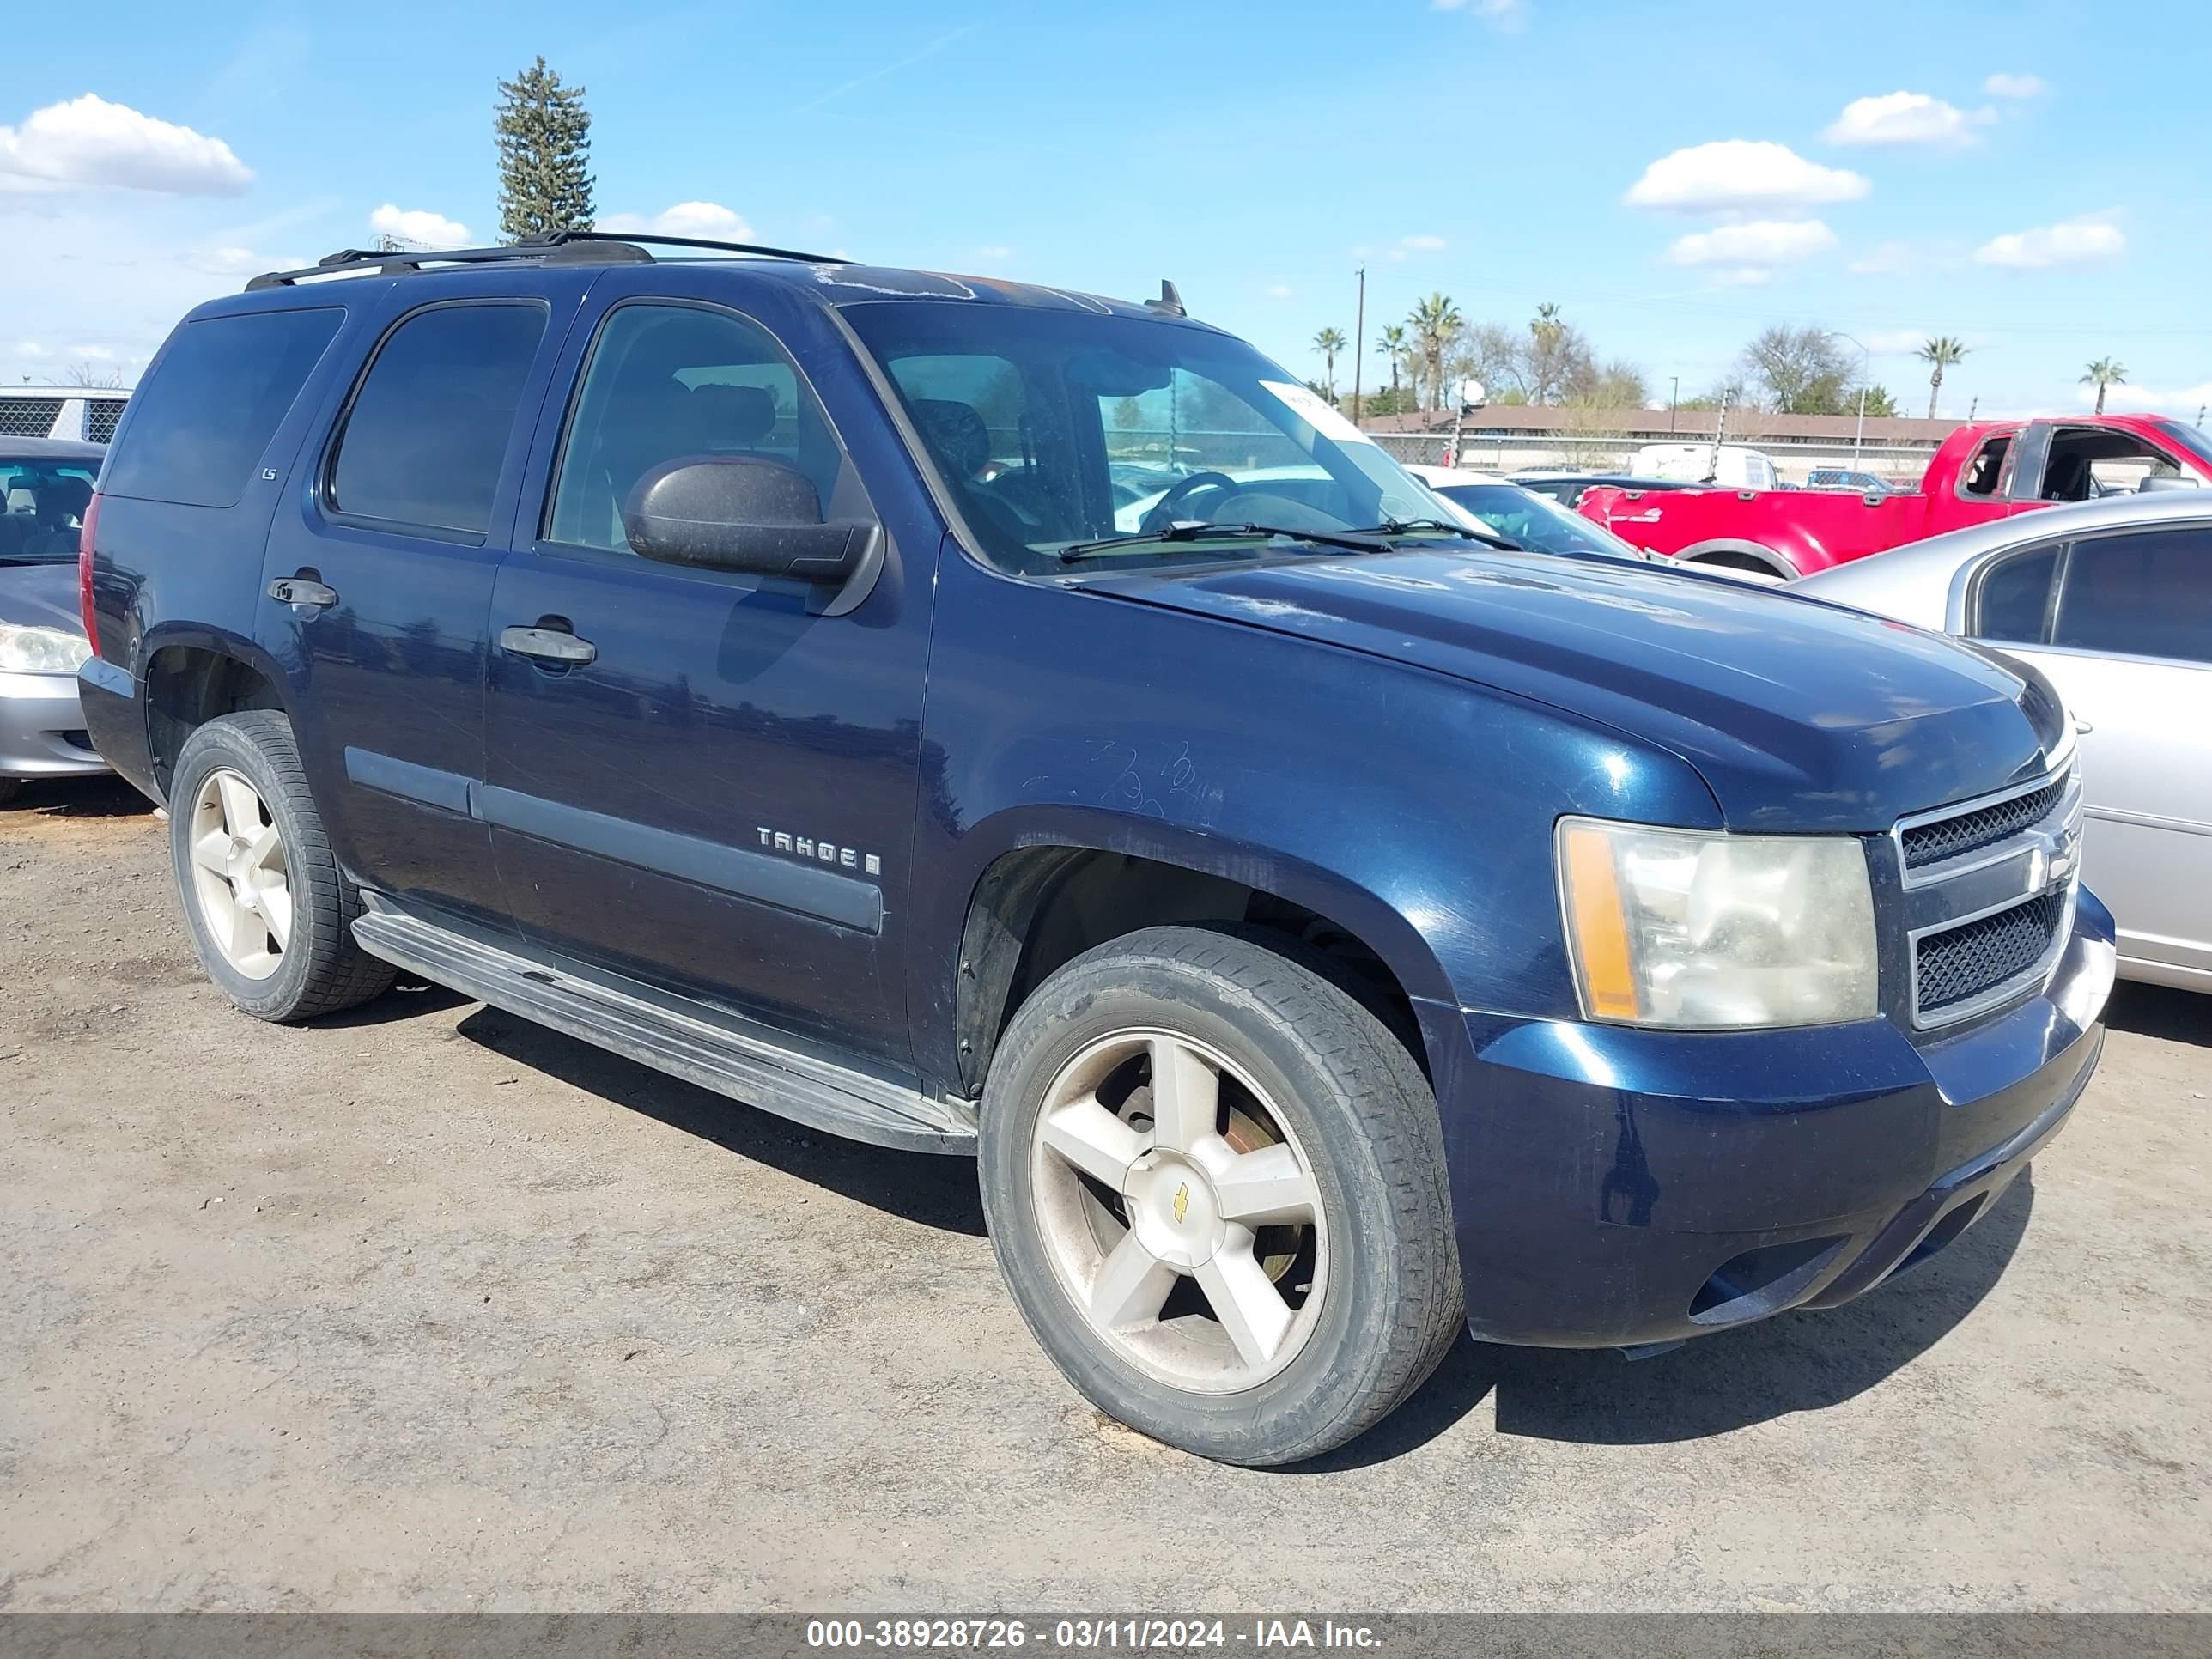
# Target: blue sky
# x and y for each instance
(1674, 177)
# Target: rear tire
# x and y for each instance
(1114, 1205)
(9, 788)
(270, 914)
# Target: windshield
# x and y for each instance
(1533, 521)
(42, 507)
(2189, 439)
(1055, 430)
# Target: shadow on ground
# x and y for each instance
(77, 798)
(1796, 1362)
(929, 1190)
(2160, 1010)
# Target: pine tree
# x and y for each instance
(545, 154)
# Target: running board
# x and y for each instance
(813, 1091)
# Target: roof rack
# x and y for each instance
(588, 247)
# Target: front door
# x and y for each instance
(377, 579)
(712, 788)
(2122, 625)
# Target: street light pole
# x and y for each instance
(1866, 359)
(1359, 342)
(1674, 399)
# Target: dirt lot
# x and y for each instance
(428, 1308)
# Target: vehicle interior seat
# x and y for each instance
(958, 438)
(62, 506)
(734, 419)
(2066, 476)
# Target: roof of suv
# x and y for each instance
(832, 281)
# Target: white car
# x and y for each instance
(2111, 600)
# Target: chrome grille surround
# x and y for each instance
(1989, 918)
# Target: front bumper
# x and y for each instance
(42, 731)
(1614, 1186)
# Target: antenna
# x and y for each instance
(1169, 304)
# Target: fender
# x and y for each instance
(196, 637)
(1769, 558)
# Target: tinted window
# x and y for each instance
(198, 425)
(2015, 597)
(2146, 594)
(429, 426)
(42, 507)
(666, 381)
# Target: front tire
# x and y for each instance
(270, 914)
(1215, 1184)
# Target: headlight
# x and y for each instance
(40, 650)
(1699, 930)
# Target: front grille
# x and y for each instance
(1960, 963)
(101, 415)
(1926, 844)
(29, 417)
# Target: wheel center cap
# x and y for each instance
(1173, 1210)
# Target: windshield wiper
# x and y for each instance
(1201, 530)
(1415, 527)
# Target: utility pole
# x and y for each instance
(1859, 438)
(1674, 399)
(1359, 342)
(1971, 408)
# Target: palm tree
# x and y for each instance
(1940, 352)
(1328, 342)
(2101, 374)
(1434, 322)
(1391, 343)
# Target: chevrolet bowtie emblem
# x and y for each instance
(1182, 1200)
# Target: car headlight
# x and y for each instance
(41, 650)
(1700, 930)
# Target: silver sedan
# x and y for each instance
(2111, 599)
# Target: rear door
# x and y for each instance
(377, 579)
(2122, 624)
(716, 795)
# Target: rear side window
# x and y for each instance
(430, 422)
(2146, 593)
(200, 423)
(2014, 603)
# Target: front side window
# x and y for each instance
(1052, 430)
(430, 425)
(198, 425)
(670, 382)
(2145, 594)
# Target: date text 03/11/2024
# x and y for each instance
(1081, 1635)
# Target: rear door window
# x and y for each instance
(2146, 593)
(429, 426)
(2012, 604)
(199, 426)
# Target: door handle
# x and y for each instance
(303, 590)
(548, 645)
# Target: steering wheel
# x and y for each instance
(1162, 514)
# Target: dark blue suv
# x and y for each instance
(993, 719)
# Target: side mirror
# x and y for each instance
(744, 512)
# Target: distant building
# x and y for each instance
(1518, 437)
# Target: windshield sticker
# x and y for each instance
(1315, 413)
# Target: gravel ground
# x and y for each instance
(425, 1308)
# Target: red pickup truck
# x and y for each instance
(1989, 471)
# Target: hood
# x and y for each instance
(1799, 715)
(40, 596)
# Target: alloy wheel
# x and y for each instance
(239, 878)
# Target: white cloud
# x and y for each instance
(418, 224)
(1907, 118)
(1756, 242)
(29, 349)
(2070, 241)
(2182, 400)
(1889, 259)
(1498, 13)
(1409, 246)
(90, 142)
(710, 220)
(994, 256)
(2001, 85)
(240, 261)
(1736, 173)
(1743, 276)
(1279, 290)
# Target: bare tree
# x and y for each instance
(93, 380)
(1799, 371)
